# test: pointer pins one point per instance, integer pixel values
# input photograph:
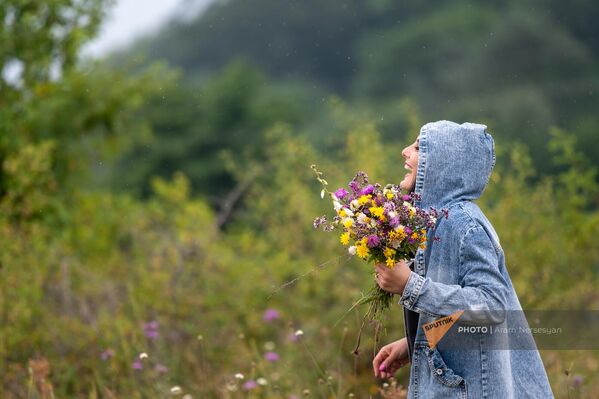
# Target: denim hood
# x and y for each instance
(454, 163)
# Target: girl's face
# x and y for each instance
(410, 153)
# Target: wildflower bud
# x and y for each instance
(306, 392)
(298, 333)
(143, 355)
(239, 376)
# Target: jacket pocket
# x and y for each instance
(441, 372)
(433, 378)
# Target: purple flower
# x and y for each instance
(161, 368)
(249, 384)
(271, 356)
(137, 365)
(270, 315)
(373, 241)
(107, 354)
(152, 334)
(151, 325)
(367, 190)
(408, 231)
(406, 198)
(341, 193)
(577, 382)
(394, 222)
(354, 186)
(151, 329)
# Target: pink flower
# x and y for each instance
(107, 354)
(161, 368)
(270, 315)
(249, 384)
(137, 365)
(271, 356)
(151, 329)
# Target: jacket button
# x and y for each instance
(439, 371)
(406, 302)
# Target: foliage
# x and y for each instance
(522, 67)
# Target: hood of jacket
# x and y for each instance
(454, 163)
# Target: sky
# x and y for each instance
(129, 19)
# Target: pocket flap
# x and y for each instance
(440, 369)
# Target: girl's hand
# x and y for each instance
(391, 358)
(393, 280)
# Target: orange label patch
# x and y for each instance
(435, 330)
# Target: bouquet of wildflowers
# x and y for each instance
(379, 225)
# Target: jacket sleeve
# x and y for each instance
(482, 288)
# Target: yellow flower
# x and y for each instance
(422, 246)
(362, 251)
(389, 252)
(364, 241)
(344, 238)
(414, 236)
(399, 233)
(412, 212)
(390, 262)
(364, 199)
(342, 213)
(377, 211)
(389, 195)
(347, 223)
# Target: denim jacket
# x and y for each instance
(464, 270)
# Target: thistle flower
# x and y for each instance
(249, 385)
(341, 193)
(137, 365)
(369, 189)
(373, 241)
(271, 356)
(270, 315)
(151, 329)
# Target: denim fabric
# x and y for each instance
(464, 270)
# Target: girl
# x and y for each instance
(448, 167)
